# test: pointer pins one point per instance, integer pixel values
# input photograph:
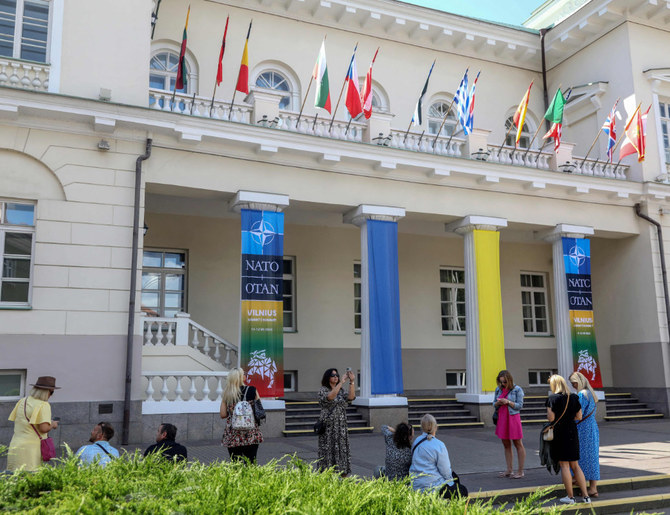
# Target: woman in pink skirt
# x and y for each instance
(508, 401)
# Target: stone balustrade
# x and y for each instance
(24, 74)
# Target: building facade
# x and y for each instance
(87, 102)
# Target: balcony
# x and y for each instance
(24, 74)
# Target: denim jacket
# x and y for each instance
(515, 396)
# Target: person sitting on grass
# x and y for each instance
(166, 445)
(99, 449)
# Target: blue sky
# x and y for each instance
(514, 12)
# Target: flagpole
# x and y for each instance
(421, 137)
(423, 91)
(444, 120)
(223, 46)
(315, 119)
(244, 54)
(192, 104)
(330, 128)
(407, 131)
(232, 103)
(303, 101)
(591, 147)
(539, 126)
(509, 129)
(346, 131)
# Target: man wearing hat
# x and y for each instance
(32, 423)
(100, 449)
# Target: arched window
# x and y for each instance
(277, 82)
(163, 72)
(524, 141)
(436, 115)
(380, 103)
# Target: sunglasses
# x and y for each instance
(334, 375)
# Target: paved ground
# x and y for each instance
(627, 449)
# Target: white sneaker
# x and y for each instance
(568, 500)
(586, 499)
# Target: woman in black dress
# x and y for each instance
(333, 400)
(563, 408)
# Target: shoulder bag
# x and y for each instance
(587, 416)
(320, 425)
(548, 432)
(47, 447)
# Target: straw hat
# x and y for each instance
(46, 383)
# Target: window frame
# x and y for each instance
(293, 328)
(537, 372)
(163, 271)
(526, 133)
(13, 228)
(293, 374)
(22, 388)
(461, 378)
(18, 31)
(358, 280)
(287, 74)
(547, 307)
(664, 122)
(455, 287)
(451, 123)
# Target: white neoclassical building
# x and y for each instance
(120, 199)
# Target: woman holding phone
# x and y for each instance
(333, 400)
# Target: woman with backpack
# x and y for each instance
(241, 434)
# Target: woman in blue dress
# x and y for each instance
(589, 436)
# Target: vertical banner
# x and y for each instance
(489, 296)
(577, 259)
(261, 330)
(384, 308)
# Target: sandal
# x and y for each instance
(517, 476)
(593, 494)
(505, 474)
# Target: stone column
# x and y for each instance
(379, 409)
(562, 318)
(264, 202)
(465, 227)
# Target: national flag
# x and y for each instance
(555, 116)
(635, 139)
(520, 115)
(182, 80)
(609, 128)
(366, 94)
(461, 101)
(353, 100)
(417, 117)
(467, 128)
(243, 76)
(219, 71)
(320, 75)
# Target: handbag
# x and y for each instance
(259, 411)
(320, 425)
(47, 447)
(548, 432)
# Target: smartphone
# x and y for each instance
(348, 370)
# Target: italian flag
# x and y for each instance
(320, 75)
(555, 116)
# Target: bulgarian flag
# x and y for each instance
(353, 101)
(219, 70)
(366, 94)
(243, 76)
(182, 80)
(320, 75)
(520, 115)
(555, 116)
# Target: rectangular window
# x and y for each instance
(534, 304)
(452, 300)
(664, 108)
(17, 243)
(164, 282)
(290, 381)
(289, 295)
(539, 377)
(455, 378)
(357, 297)
(12, 384)
(24, 29)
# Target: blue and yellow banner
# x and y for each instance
(577, 259)
(261, 329)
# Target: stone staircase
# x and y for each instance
(534, 410)
(623, 406)
(448, 412)
(301, 416)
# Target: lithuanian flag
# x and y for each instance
(182, 79)
(243, 76)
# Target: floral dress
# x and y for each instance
(334, 442)
(398, 461)
(236, 437)
(589, 438)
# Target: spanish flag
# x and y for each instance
(243, 76)
(182, 79)
(520, 114)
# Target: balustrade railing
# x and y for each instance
(198, 106)
(181, 330)
(24, 74)
(597, 168)
(182, 392)
(316, 126)
(519, 157)
(427, 143)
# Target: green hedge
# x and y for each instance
(135, 485)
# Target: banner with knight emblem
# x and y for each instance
(577, 259)
(261, 329)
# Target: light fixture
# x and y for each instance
(481, 155)
(568, 167)
(145, 229)
(103, 144)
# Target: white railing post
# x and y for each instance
(182, 324)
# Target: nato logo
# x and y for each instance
(262, 232)
(577, 256)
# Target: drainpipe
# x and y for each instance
(543, 32)
(133, 292)
(659, 232)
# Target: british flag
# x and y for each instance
(609, 129)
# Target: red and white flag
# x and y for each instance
(366, 94)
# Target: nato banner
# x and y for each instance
(577, 259)
(261, 330)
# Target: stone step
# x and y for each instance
(429, 408)
(310, 425)
(620, 418)
(454, 425)
(445, 420)
(307, 432)
(444, 412)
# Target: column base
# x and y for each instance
(380, 411)
(480, 405)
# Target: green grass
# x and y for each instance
(135, 485)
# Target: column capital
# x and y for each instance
(567, 231)
(258, 201)
(475, 222)
(360, 214)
